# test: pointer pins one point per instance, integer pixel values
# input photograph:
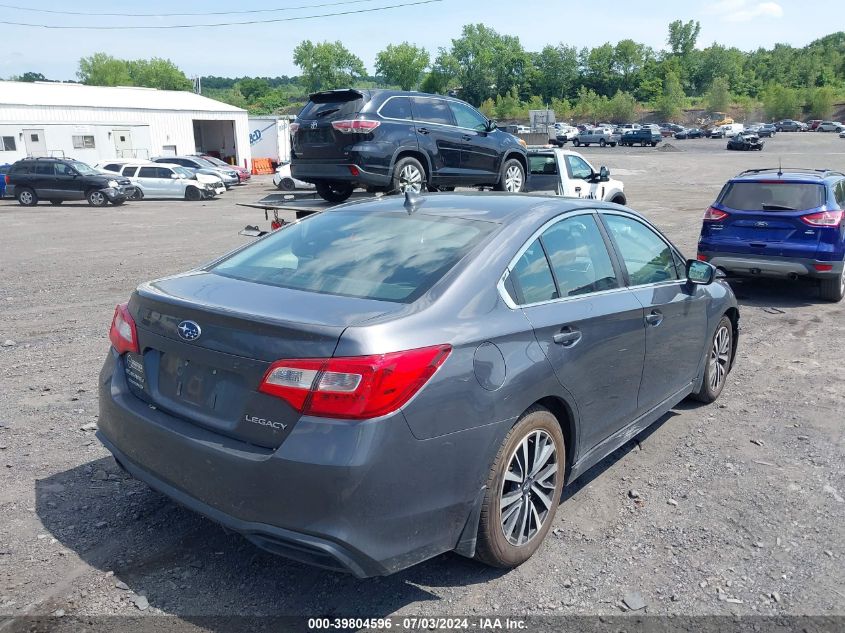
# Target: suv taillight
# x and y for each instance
(714, 215)
(7, 179)
(122, 334)
(355, 387)
(823, 218)
(355, 126)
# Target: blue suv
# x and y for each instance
(780, 223)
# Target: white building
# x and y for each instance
(91, 123)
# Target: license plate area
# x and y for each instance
(192, 383)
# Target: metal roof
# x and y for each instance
(53, 94)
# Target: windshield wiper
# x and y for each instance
(776, 207)
(320, 115)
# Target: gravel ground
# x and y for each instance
(732, 508)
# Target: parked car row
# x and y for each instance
(115, 181)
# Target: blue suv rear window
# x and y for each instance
(772, 196)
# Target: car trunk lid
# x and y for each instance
(315, 137)
(206, 342)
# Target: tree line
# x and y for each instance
(494, 72)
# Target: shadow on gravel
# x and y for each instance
(775, 293)
(188, 566)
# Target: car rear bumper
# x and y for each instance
(360, 497)
(761, 266)
(314, 171)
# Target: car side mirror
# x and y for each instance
(492, 125)
(604, 174)
(700, 273)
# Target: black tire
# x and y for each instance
(333, 191)
(602, 142)
(193, 194)
(435, 188)
(56, 203)
(719, 352)
(833, 289)
(408, 174)
(26, 197)
(138, 194)
(493, 546)
(613, 144)
(653, 144)
(576, 142)
(286, 184)
(97, 198)
(511, 177)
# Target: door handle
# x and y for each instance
(422, 130)
(655, 318)
(567, 336)
(466, 137)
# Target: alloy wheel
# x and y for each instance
(720, 356)
(97, 199)
(513, 179)
(528, 487)
(26, 197)
(410, 178)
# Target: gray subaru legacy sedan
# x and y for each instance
(392, 379)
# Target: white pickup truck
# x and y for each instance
(567, 173)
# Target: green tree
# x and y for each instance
(402, 64)
(683, 36)
(103, 70)
(443, 72)
(781, 102)
(672, 100)
(488, 63)
(628, 60)
(254, 88)
(562, 109)
(599, 73)
(158, 73)
(30, 77)
(555, 71)
(820, 102)
(622, 107)
(508, 105)
(718, 96)
(327, 65)
(488, 108)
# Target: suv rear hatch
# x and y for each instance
(314, 137)
(765, 217)
(213, 380)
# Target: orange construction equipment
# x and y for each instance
(261, 166)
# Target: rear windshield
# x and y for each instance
(772, 196)
(389, 257)
(344, 105)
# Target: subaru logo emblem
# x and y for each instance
(189, 330)
(761, 225)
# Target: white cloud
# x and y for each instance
(744, 11)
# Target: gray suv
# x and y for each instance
(383, 382)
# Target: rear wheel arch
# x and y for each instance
(566, 418)
(422, 157)
(733, 315)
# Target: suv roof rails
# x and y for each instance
(821, 173)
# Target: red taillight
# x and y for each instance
(355, 126)
(123, 335)
(823, 218)
(354, 170)
(294, 127)
(355, 387)
(701, 258)
(7, 179)
(714, 215)
(823, 268)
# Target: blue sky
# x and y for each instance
(266, 49)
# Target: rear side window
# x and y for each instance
(772, 196)
(45, 169)
(540, 164)
(432, 111)
(130, 171)
(369, 255)
(840, 194)
(23, 169)
(332, 107)
(148, 172)
(531, 278)
(112, 167)
(397, 108)
(579, 257)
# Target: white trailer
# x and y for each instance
(269, 137)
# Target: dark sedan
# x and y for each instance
(692, 132)
(745, 142)
(389, 380)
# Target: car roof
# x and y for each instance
(498, 207)
(788, 174)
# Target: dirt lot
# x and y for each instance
(739, 506)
